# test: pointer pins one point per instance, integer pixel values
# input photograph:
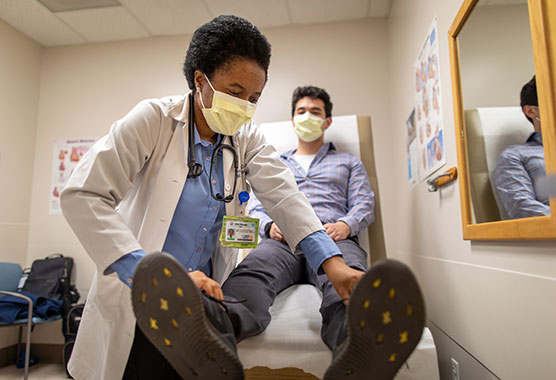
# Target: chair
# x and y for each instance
(489, 131)
(10, 275)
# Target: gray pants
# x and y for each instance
(265, 272)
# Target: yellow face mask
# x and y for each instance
(227, 113)
(308, 127)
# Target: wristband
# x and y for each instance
(267, 229)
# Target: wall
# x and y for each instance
(496, 56)
(491, 301)
(85, 88)
(19, 91)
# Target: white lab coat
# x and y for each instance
(121, 198)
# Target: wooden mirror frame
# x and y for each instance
(542, 17)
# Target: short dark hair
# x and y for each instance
(528, 95)
(220, 41)
(314, 93)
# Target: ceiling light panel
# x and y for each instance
(38, 23)
(74, 5)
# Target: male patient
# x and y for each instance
(520, 166)
(383, 321)
(338, 188)
(335, 183)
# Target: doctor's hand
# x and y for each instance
(342, 277)
(207, 284)
(337, 231)
(275, 233)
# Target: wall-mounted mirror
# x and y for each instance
(496, 48)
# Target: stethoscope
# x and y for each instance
(196, 169)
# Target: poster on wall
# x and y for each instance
(412, 158)
(427, 151)
(66, 155)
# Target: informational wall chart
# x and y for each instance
(66, 156)
(424, 126)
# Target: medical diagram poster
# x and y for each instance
(425, 130)
(66, 156)
(412, 158)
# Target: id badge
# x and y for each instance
(239, 232)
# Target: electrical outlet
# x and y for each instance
(455, 369)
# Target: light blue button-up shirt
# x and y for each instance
(519, 167)
(198, 216)
(336, 184)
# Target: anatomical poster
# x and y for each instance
(428, 108)
(66, 156)
(412, 158)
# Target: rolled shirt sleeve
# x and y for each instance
(318, 247)
(125, 266)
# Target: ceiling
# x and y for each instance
(68, 22)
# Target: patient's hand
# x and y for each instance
(207, 284)
(337, 231)
(276, 234)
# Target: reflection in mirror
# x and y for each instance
(504, 156)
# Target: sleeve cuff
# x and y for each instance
(266, 230)
(318, 247)
(125, 266)
(352, 224)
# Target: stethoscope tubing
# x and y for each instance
(196, 169)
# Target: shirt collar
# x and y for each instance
(197, 140)
(324, 149)
(536, 137)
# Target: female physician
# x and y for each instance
(164, 177)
